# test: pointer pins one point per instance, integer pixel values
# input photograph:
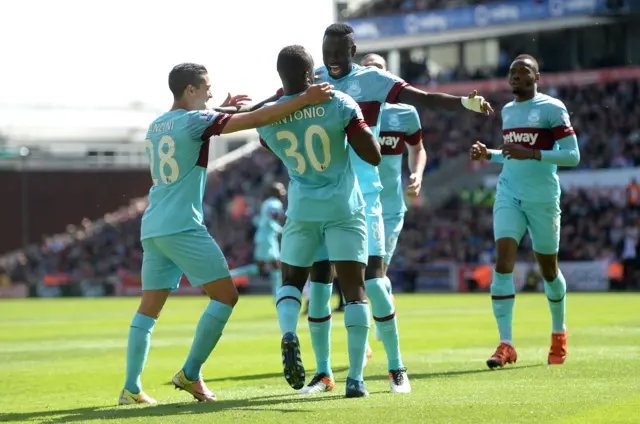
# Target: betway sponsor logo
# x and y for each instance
(389, 141)
(520, 137)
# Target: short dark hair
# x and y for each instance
(183, 75)
(293, 62)
(536, 67)
(340, 30)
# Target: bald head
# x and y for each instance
(373, 59)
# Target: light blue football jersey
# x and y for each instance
(399, 124)
(536, 124)
(177, 145)
(312, 144)
(267, 222)
(370, 87)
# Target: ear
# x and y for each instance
(537, 76)
(354, 49)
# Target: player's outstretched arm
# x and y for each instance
(245, 108)
(364, 142)
(423, 100)
(315, 94)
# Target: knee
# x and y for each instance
(375, 268)
(549, 273)
(228, 296)
(504, 265)
(321, 272)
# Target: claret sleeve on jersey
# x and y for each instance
(388, 85)
(204, 124)
(565, 136)
(413, 128)
(352, 116)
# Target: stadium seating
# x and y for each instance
(389, 7)
(607, 120)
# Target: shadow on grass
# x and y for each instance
(258, 404)
(254, 404)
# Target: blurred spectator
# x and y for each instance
(633, 193)
(5, 279)
(629, 254)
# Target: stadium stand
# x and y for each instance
(606, 117)
(390, 7)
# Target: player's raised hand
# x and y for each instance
(415, 184)
(478, 151)
(517, 152)
(477, 103)
(319, 93)
(237, 100)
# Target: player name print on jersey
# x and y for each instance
(308, 112)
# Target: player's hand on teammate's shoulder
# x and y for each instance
(479, 151)
(517, 151)
(477, 103)
(319, 93)
(415, 184)
(237, 100)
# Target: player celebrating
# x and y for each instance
(326, 207)
(399, 125)
(174, 238)
(538, 137)
(371, 88)
(267, 248)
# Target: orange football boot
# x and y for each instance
(558, 350)
(505, 354)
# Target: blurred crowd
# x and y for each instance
(391, 7)
(595, 224)
(606, 118)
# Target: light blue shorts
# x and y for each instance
(392, 228)
(305, 242)
(513, 217)
(192, 253)
(266, 252)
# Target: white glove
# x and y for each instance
(476, 103)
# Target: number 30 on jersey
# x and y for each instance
(166, 150)
(292, 151)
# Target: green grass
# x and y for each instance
(62, 361)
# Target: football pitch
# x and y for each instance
(62, 361)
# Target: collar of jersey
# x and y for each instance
(283, 98)
(526, 102)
